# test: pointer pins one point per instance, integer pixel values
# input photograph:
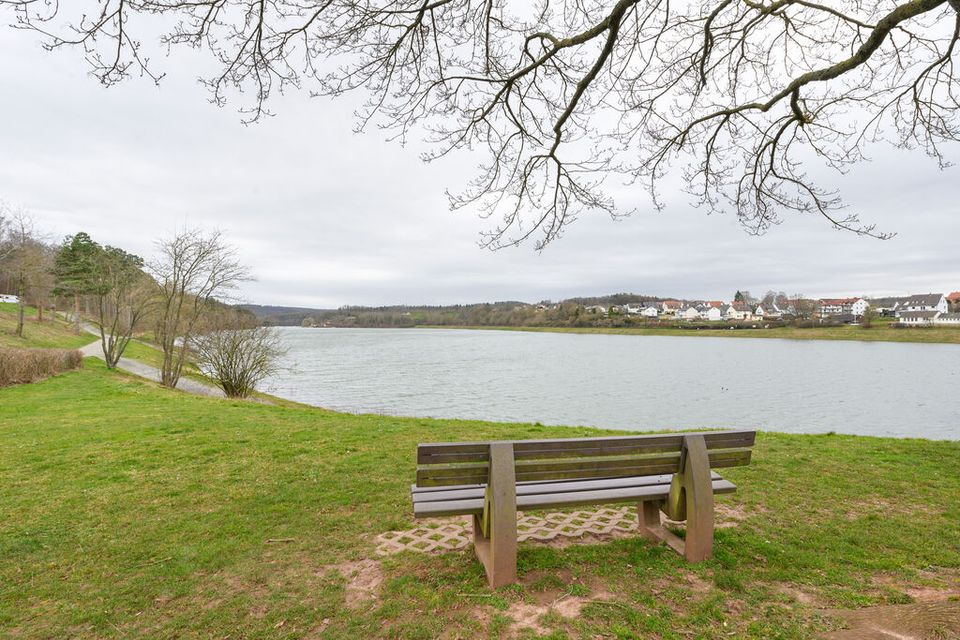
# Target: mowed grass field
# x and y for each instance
(131, 511)
(881, 331)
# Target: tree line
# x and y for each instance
(571, 312)
(178, 299)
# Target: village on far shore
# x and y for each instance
(619, 310)
(922, 309)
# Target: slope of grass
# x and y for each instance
(52, 333)
(127, 510)
(880, 332)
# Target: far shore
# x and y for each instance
(881, 332)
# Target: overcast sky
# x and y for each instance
(327, 217)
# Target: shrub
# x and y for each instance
(19, 366)
(239, 358)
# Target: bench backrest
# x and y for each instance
(466, 463)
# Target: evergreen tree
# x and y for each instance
(74, 268)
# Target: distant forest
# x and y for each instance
(570, 312)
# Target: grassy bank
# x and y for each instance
(880, 332)
(52, 333)
(127, 510)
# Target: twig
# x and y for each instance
(272, 540)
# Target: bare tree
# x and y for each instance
(5, 247)
(803, 308)
(24, 260)
(194, 270)
(741, 97)
(124, 294)
(40, 292)
(238, 354)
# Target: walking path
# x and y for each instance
(147, 371)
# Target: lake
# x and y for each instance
(629, 382)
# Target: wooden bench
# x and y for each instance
(491, 481)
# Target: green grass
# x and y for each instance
(879, 332)
(51, 333)
(127, 510)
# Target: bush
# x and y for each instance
(19, 366)
(239, 358)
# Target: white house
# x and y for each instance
(671, 306)
(886, 306)
(919, 318)
(827, 307)
(952, 319)
(770, 311)
(632, 309)
(923, 302)
(689, 313)
(741, 311)
(7, 297)
(649, 312)
(712, 314)
(596, 308)
(859, 307)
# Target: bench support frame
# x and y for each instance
(691, 498)
(495, 532)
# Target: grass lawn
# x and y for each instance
(881, 331)
(127, 510)
(51, 333)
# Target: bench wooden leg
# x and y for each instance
(691, 499)
(699, 490)
(648, 514)
(651, 528)
(495, 534)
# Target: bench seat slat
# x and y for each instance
(531, 488)
(474, 506)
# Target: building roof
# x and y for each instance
(954, 297)
(944, 316)
(886, 303)
(922, 315)
(922, 300)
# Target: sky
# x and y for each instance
(326, 217)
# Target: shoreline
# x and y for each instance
(849, 333)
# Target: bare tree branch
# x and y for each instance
(564, 99)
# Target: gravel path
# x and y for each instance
(151, 373)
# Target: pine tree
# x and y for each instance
(74, 270)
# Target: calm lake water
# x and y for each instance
(629, 382)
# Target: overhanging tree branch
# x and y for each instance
(561, 99)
